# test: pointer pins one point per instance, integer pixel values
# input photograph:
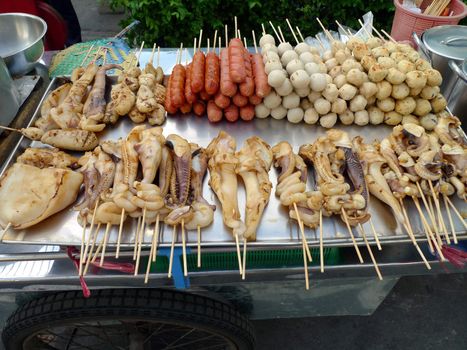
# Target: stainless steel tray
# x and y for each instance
(276, 228)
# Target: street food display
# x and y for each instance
(155, 178)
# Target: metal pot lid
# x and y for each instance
(447, 41)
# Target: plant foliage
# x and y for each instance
(170, 22)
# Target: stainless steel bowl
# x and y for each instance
(21, 43)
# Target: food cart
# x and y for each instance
(210, 306)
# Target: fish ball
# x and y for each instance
(288, 56)
(392, 118)
(300, 79)
(294, 65)
(400, 91)
(355, 77)
(377, 73)
(405, 66)
(261, 111)
(428, 92)
(433, 77)
(267, 39)
(368, 89)
(313, 96)
(306, 57)
(272, 100)
(331, 92)
(322, 106)
(328, 120)
(386, 62)
(284, 47)
(276, 78)
(358, 103)
(272, 65)
(347, 117)
(303, 92)
(429, 121)
(302, 48)
(339, 106)
(362, 118)
(291, 101)
(416, 79)
(405, 106)
(279, 112)
(376, 115)
(312, 68)
(386, 105)
(285, 89)
(340, 80)
(295, 115)
(311, 116)
(347, 92)
(384, 90)
(318, 82)
(438, 103)
(395, 76)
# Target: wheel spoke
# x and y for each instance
(155, 332)
(193, 342)
(71, 337)
(180, 338)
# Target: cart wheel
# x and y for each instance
(127, 319)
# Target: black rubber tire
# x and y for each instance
(169, 306)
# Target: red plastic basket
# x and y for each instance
(405, 22)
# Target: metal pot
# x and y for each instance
(21, 43)
(440, 45)
(457, 97)
(9, 96)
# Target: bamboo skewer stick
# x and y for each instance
(172, 247)
(375, 235)
(185, 268)
(377, 32)
(235, 23)
(81, 251)
(7, 227)
(412, 236)
(155, 238)
(291, 30)
(264, 30)
(451, 222)
(282, 35)
(389, 36)
(93, 243)
(83, 260)
(344, 214)
(254, 41)
(119, 237)
(302, 231)
(104, 246)
(428, 228)
(375, 264)
(341, 27)
(199, 247)
(441, 223)
(200, 38)
(430, 213)
(275, 32)
(148, 265)
(226, 36)
(239, 257)
(326, 32)
(321, 246)
(428, 232)
(151, 58)
(305, 266)
(87, 55)
(456, 212)
(300, 33)
(244, 259)
(135, 249)
(364, 28)
(140, 241)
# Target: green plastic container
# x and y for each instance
(256, 259)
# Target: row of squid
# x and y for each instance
(120, 176)
(72, 114)
(147, 175)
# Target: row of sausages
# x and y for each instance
(229, 85)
